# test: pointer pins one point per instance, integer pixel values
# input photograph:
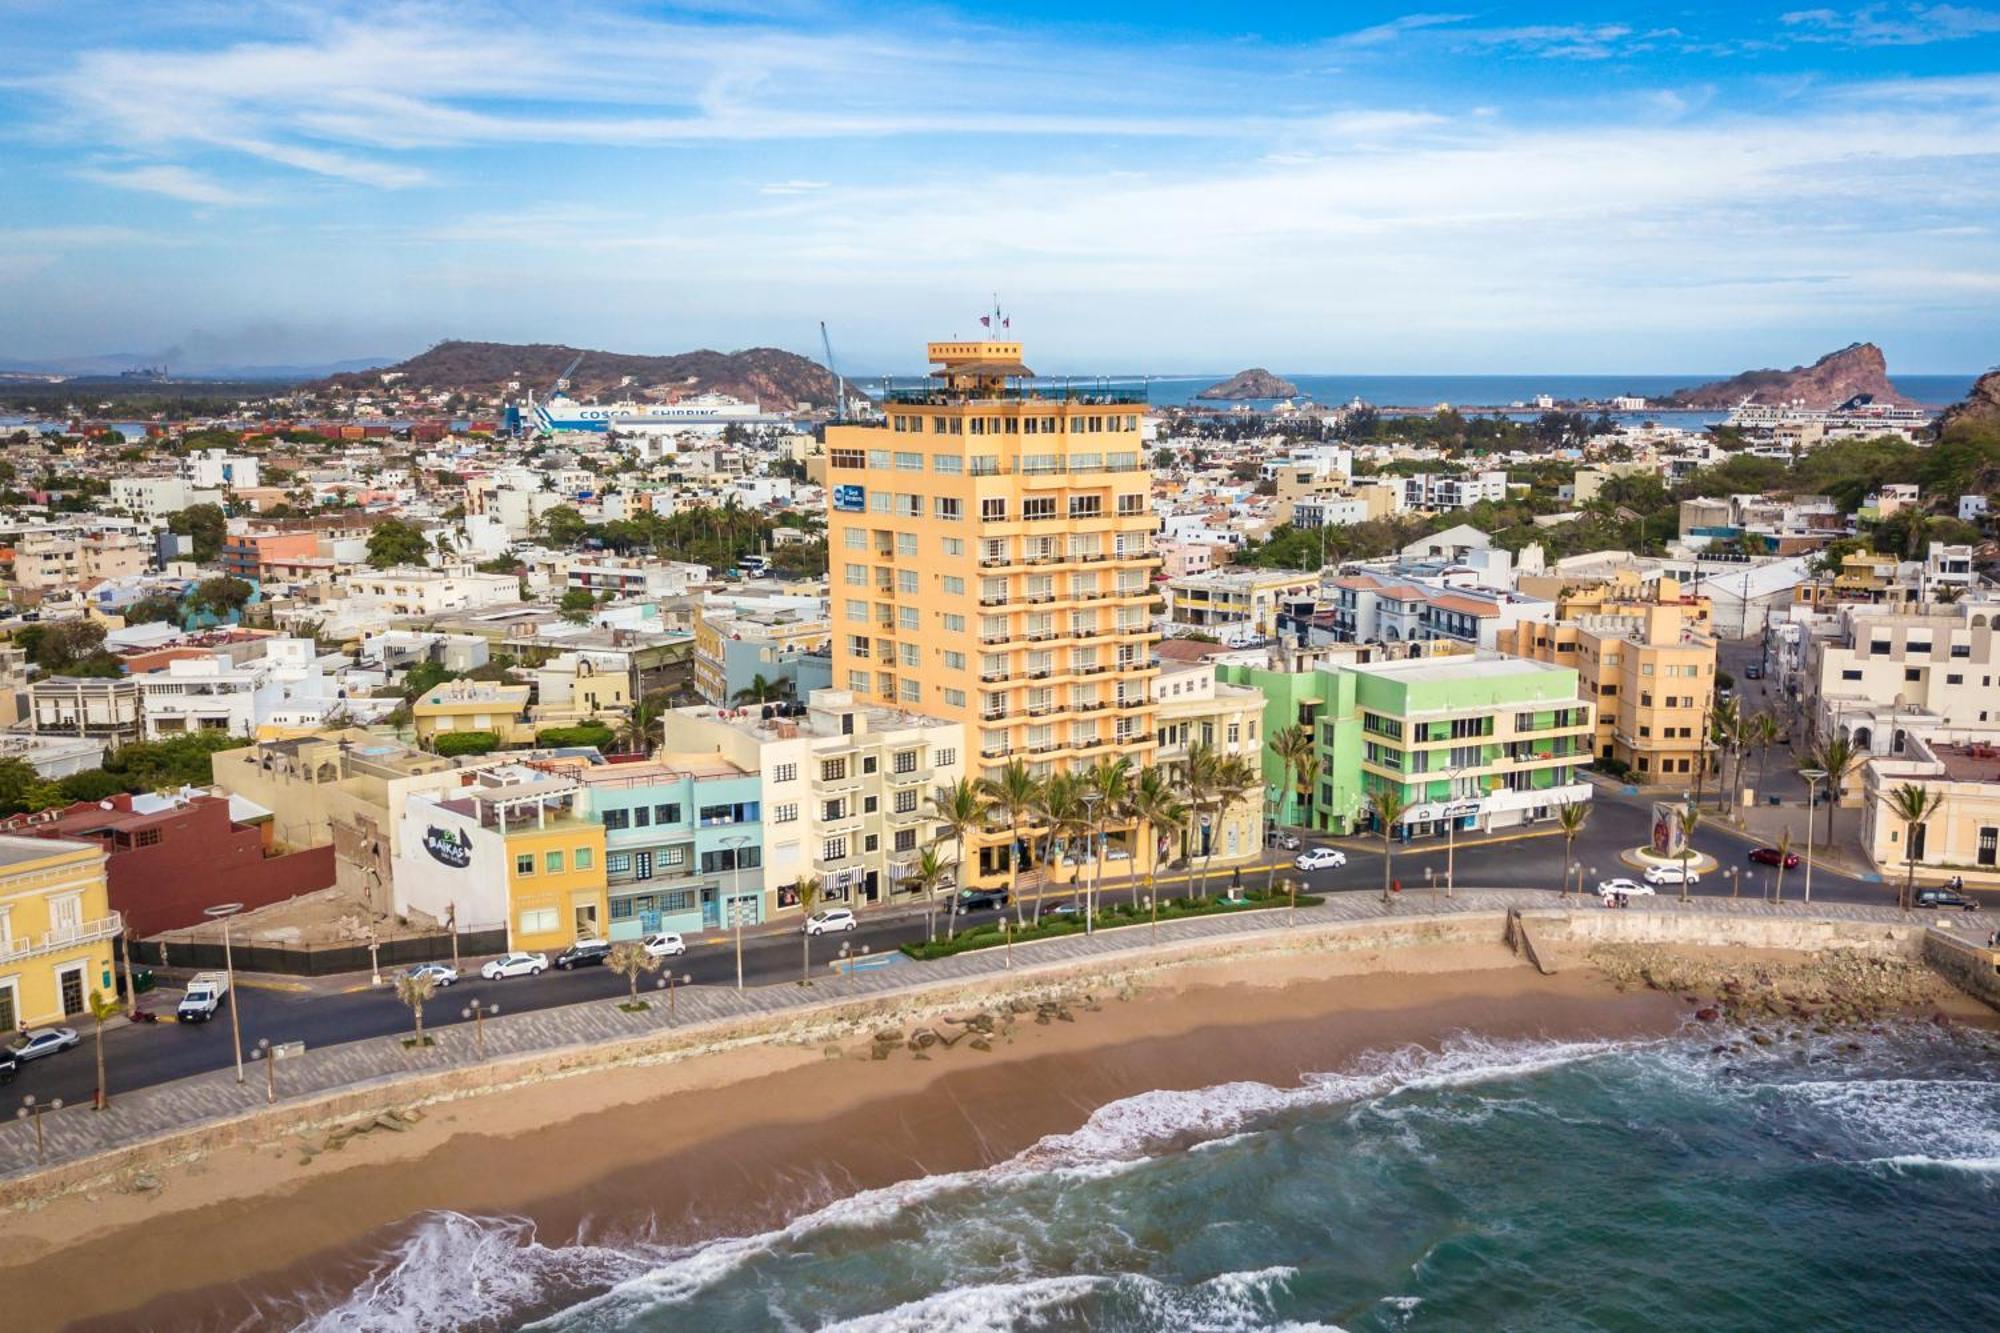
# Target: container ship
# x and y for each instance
(560, 412)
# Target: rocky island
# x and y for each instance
(1254, 383)
(1828, 382)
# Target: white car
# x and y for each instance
(1671, 875)
(38, 1042)
(441, 974)
(664, 945)
(515, 965)
(1321, 858)
(833, 918)
(1611, 889)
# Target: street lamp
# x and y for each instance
(1813, 777)
(1430, 880)
(222, 912)
(1092, 800)
(1007, 937)
(1735, 874)
(263, 1052)
(28, 1109)
(479, 1013)
(673, 984)
(1451, 777)
(736, 845)
(1153, 906)
(849, 956)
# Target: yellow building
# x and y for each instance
(1640, 652)
(475, 705)
(991, 556)
(56, 928)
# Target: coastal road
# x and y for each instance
(344, 1009)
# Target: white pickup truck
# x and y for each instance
(205, 993)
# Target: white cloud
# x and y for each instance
(792, 187)
(1885, 25)
(175, 182)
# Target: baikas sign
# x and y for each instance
(453, 847)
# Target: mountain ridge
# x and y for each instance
(767, 375)
(1858, 368)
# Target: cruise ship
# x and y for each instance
(716, 410)
(1859, 411)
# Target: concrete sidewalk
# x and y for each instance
(378, 1063)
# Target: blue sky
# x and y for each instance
(1171, 186)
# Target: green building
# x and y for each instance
(1481, 741)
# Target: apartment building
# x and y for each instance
(1963, 836)
(1877, 671)
(1369, 607)
(991, 547)
(428, 592)
(1240, 603)
(56, 929)
(1195, 708)
(102, 708)
(734, 645)
(1640, 653)
(1444, 491)
(474, 705)
(846, 787)
(683, 843)
(254, 555)
(1476, 741)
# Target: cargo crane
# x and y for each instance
(515, 425)
(839, 384)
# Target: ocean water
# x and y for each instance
(1502, 390)
(1824, 1183)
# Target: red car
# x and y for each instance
(1770, 856)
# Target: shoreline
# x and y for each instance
(738, 1141)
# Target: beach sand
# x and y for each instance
(734, 1142)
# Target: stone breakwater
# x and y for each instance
(1842, 987)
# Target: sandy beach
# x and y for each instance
(738, 1141)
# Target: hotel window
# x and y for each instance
(857, 610)
(906, 618)
(906, 801)
(1041, 464)
(618, 863)
(833, 849)
(991, 509)
(904, 761)
(954, 698)
(954, 585)
(854, 539)
(906, 462)
(1038, 507)
(833, 770)
(1131, 504)
(1086, 506)
(878, 458)
(954, 623)
(906, 543)
(540, 921)
(954, 660)
(953, 545)
(785, 813)
(857, 575)
(910, 506)
(906, 654)
(906, 840)
(524, 864)
(858, 681)
(912, 692)
(1086, 462)
(878, 502)
(553, 862)
(947, 507)
(906, 580)
(950, 465)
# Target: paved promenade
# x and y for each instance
(76, 1131)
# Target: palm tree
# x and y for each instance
(1690, 821)
(962, 810)
(1762, 732)
(1014, 796)
(1292, 746)
(1570, 819)
(1061, 812)
(1198, 781)
(807, 889)
(1914, 805)
(1834, 755)
(1235, 778)
(101, 1007)
(1155, 805)
(1308, 770)
(630, 960)
(1726, 729)
(1784, 851)
(1388, 806)
(931, 872)
(760, 691)
(413, 988)
(1110, 781)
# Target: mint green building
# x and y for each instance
(1477, 741)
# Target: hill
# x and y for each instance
(1978, 410)
(1254, 383)
(776, 379)
(1828, 382)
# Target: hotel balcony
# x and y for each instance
(62, 938)
(836, 786)
(912, 778)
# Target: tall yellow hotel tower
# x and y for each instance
(991, 553)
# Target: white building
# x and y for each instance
(153, 498)
(212, 470)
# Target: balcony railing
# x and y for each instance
(1093, 395)
(63, 937)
